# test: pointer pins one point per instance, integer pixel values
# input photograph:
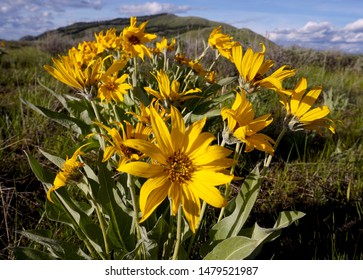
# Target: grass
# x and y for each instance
(318, 174)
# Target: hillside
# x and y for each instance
(167, 25)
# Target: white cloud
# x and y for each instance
(152, 8)
(32, 17)
(356, 26)
(322, 35)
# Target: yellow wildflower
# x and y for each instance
(222, 42)
(244, 127)
(163, 46)
(252, 68)
(185, 168)
(67, 70)
(134, 39)
(117, 141)
(68, 169)
(113, 87)
(169, 92)
(298, 106)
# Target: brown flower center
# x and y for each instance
(134, 40)
(180, 167)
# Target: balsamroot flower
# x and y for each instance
(69, 167)
(134, 39)
(113, 87)
(244, 127)
(117, 141)
(163, 46)
(298, 106)
(69, 71)
(252, 68)
(169, 92)
(222, 42)
(184, 167)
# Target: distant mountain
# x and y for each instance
(168, 25)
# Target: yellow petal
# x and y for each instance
(152, 193)
(314, 114)
(308, 100)
(209, 155)
(142, 169)
(191, 207)
(147, 148)
(161, 131)
(177, 129)
(210, 178)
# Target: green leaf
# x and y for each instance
(120, 224)
(58, 161)
(286, 218)
(59, 249)
(141, 95)
(42, 174)
(244, 202)
(233, 248)
(76, 125)
(24, 253)
(66, 211)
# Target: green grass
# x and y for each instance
(318, 174)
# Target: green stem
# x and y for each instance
(101, 140)
(178, 234)
(103, 229)
(268, 159)
(131, 186)
(168, 246)
(228, 186)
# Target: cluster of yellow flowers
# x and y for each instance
(179, 161)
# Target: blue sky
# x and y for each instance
(321, 24)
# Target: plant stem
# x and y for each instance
(103, 229)
(100, 138)
(268, 159)
(178, 234)
(131, 186)
(228, 186)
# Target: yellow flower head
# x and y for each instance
(113, 87)
(109, 41)
(185, 167)
(134, 39)
(196, 67)
(69, 71)
(244, 127)
(68, 169)
(222, 42)
(144, 115)
(252, 68)
(298, 105)
(169, 92)
(163, 46)
(85, 53)
(117, 141)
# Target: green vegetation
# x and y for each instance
(324, 180)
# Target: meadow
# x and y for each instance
(319, 174)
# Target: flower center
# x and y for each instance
(134, 40)
(180, 167)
